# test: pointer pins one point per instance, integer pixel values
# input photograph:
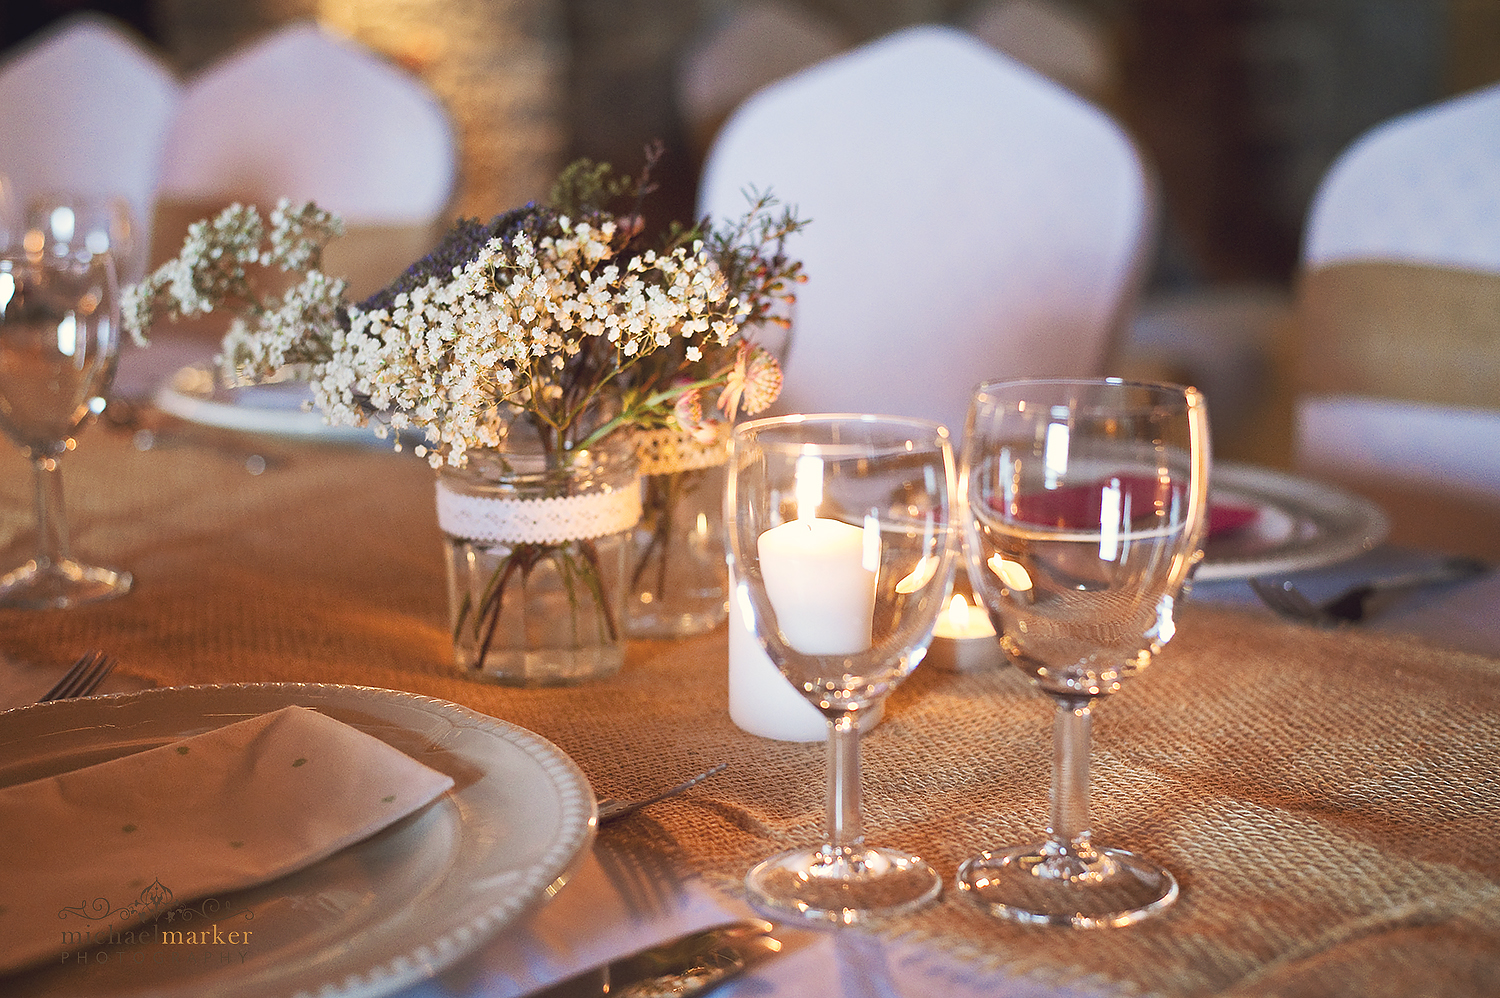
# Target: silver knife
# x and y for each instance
(687, 965)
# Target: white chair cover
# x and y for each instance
(1422, 188)
(1411, 443)
(969, 220)
(306, 115)
(84, 110)
(1418, 196)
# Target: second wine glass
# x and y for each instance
(1086, 511)
(59, 340)
(842, 550)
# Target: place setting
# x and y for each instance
(465, 822)
(802, 595)
(844, 550)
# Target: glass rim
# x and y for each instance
(936, 429)
(1190, 395)
(17, 257)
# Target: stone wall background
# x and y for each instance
(1241, 104)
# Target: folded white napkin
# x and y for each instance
(86, 854)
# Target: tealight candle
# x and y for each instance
(964, 638)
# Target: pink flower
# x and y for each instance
(688, 410)
(754, 382)
(762, 382)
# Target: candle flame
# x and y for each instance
(958, 611)
(809, 487)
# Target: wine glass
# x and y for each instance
(91, 224)
(59, 339)
(842, 544)
(1086, 513)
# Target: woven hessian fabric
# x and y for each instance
(1399, 330)
(1328, 801)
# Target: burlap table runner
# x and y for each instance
(1327, 800)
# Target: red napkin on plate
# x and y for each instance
(1081, 506)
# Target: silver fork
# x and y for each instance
(612, 810)
(1352, 605)
(82, 679)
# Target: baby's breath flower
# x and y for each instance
(537, 314)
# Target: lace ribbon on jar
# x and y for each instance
(550, 520)
(666, 451)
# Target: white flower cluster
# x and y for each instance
(457, 357)
(213, 271)
(460, 355)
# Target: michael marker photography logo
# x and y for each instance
(154, 929)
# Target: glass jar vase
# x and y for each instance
(678, 583)
(537, 550)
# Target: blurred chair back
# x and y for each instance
(754, 44)
(306, 115)
(1398, 319)
(1058, 40)
(968, 219)
(1422, 188)
(84, 112)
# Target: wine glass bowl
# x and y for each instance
(59, 342)
(1086, 510)
(85, 226)
(842, 547)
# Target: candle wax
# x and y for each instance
(824, 600)
(817, 582)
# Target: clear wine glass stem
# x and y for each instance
(1071, 731)
(59, 321)
(51, 521)
(846, 833)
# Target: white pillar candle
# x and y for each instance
(805, 568)
(819, 584)
(964, 639)
(761, 700)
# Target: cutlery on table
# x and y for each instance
(611, 809)
(83, 678)
(687, 965)
(1353, 604)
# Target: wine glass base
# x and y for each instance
(1047, 884)
(35, 586)
(817, 885)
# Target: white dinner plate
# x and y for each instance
(1295, 524)
(378, 916)
(196, 393)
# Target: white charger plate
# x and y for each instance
(1298, 524)
(196, 394)
(378, 916)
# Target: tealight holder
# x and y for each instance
(964, 639)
